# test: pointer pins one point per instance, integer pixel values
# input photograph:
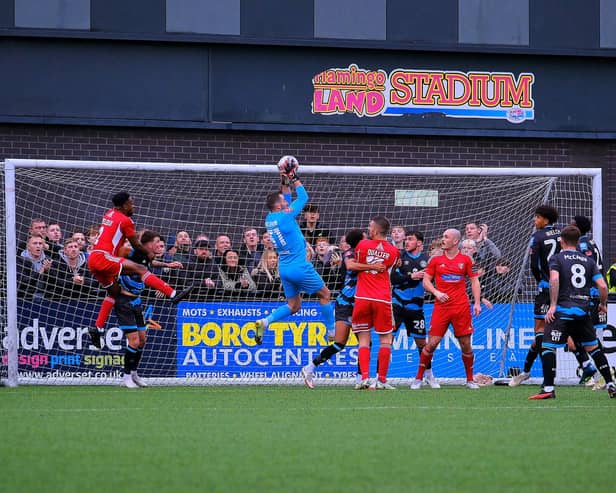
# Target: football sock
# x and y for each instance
(364, 361)
(548, 359)
(327, 312)
(468, 359)
(138, 357)
(581, 355)
(130, 356)
(157, 284)
(384, 358)
(419, 349)
(533, 352)
(327, 353)
(425, 359)
(103, 313)
(279, 313)
(602, 364)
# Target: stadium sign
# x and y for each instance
(215, 340)
(53, 342)
(485, 95)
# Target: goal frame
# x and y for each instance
(11, 165)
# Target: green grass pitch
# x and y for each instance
(291, 439)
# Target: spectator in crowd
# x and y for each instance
(182, 249)
(343, 244)
(54, 240)
(327, 262)
(222, 244)
(487, 251)
(170, 247)
(436, 248)
(162, 264)
(251, 250)
(38, 227)
(202, 236)
(235, 279)
(267, 277)
(69, 277)
(158, 248)
(398, 234)
(469, 247)
(80, 238)
(310, 253)
(266, 241)
(499, 288)
(202, 271)
(32, 267)
(310, 226)
(92, 236)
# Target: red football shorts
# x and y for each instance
(458, 316)
(105, 267)
(377, 314)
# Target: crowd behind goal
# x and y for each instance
(52, 268)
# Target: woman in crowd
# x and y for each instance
(267, 277)
(234, 277)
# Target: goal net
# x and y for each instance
(207, 339)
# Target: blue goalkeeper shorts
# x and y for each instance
(300, 278)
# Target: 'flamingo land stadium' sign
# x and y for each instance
(493, 95)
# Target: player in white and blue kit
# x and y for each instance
(297, 275)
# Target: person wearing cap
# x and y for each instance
(202, 271)
(310, 226)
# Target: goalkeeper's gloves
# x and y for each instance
(284, 181)
(293, 177)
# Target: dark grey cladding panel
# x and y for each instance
(134, 16)
(104, 80)
(494, 22)
(278, 19)
(558, 24)
(350, 19)
(204, 16)
(420, 21)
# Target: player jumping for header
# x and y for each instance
(105, 265)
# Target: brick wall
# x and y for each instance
(164, 145)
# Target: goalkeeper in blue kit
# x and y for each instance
(296, 273)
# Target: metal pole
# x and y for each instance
(11, 275)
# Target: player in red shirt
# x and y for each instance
(373, 301)
(104, 264)
(449, 271)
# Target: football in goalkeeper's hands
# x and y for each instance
(287, 164)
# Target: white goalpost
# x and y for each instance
(207, 339)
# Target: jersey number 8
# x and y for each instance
(578, 277)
